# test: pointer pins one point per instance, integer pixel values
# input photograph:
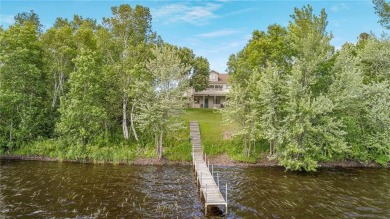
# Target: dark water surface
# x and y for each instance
(31, 189)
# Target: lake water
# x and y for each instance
(32, 189)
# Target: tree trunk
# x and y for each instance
(272, 147)
(161, 146)
(10, 131)
(156, 142)
(245, 144)
(132, 123)
(58, 88)
(124, 120)
(249, 149)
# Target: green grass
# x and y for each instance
(212, 130)
(176, 145)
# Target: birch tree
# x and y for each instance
(129, 32)
(60, 49)
(163, 100)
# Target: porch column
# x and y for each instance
(204, 101)
(214, 103)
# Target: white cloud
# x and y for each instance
(241, 11)
(183, 12)
(6, 19)
(218, 33)
(339, 7)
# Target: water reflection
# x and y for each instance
(45, 189)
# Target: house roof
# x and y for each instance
(222, 78)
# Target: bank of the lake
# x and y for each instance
(220, 160)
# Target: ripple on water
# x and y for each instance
(42, 190)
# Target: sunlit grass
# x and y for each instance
(212, 130)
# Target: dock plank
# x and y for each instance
(208, 187)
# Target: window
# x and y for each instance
(218, 100)
(210, 87)
(196, 100)
(218, 87)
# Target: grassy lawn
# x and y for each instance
(212, 129)
(210, 122)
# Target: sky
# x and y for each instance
(212, 29)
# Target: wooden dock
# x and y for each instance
(208, 187)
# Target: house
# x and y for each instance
(215, 94)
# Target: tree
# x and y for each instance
(311, 133)
(247, 98)
(200, 67)
(127, 39)
(200, 73)
(360, 91)
(23, 91)
(375, 59)
(60, 49)
(263, 48)
(83, 116)
(271, 100)
(30, 17)
(382, 8)
(163, 100)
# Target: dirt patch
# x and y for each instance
(138, 161)
(350, 163)
(221, 160)
(225, 160)
(227, 135)
(157, 162)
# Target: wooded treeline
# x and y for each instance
(93, 84)
(86, 85)
(308, 101)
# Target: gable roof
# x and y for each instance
(222, 78)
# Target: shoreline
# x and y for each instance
(220, 160)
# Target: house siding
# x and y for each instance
(214, 96)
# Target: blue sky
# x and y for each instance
(213, 29)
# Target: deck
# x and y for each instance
(208, 187)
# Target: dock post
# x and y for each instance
(218, 180)
(206, 195)
(200, 187)
(212, 170)
(226, 199)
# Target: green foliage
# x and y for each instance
(382, 8)
(163, 100)
(264, 47)
(114, 91)
(200, 74)
(23, 91)
(83, 116)
(321, 106)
